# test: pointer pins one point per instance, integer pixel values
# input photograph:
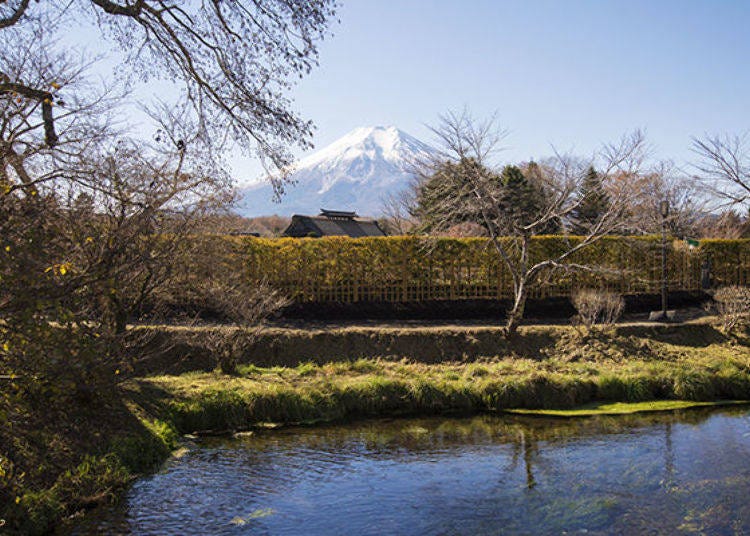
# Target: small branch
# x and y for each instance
(114, 8)
(15, 16)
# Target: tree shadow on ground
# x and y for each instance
(694, 335)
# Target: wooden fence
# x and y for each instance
(412, 269)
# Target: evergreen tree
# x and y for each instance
(446, 198)
(519, 200)
(593, 203)
(525, 197)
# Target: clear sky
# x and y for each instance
(565, 73)
(570, 73)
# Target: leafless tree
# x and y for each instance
(234, 60)
(84, 117)
(130, 215)
(723, 168)
(662, 181)
(597, 306)
(247, 307)
(726, 224)
(733, 305)
(472, 146)
(31, 226)
(397, 211)
(96, 228)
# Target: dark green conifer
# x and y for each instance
(593, 203)
(446, 198)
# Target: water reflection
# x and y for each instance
(658, 474)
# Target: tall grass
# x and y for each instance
(346, 390)
(545, 370)
(96, 480)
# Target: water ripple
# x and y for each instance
(487, 475)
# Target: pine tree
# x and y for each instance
(519, 201)
(523, 199)
(593, 203)
(446, 198)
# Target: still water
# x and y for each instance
(686, 472)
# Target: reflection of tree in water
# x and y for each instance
(403, 438)
(529, 447)
(410, 439)
(528, 438)
(525, 448)
(668, 455)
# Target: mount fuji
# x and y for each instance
(356, 172)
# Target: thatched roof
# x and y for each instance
(332, 223)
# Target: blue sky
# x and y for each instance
(569, 73)
(565, 73)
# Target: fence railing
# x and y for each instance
(413, 269)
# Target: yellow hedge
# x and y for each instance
(420, 268)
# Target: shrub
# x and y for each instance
(733, 305)
(414, 268)
(597, 305)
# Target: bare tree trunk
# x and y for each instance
(121, 321)
(521, 282)
(114, 314)
(515, 315)
(515, 205)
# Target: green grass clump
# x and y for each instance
(340, 390)
(143, 452)
(96, 480)
(622, 408)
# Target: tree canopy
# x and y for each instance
(232, 62)
(445, 198)
(593, 203)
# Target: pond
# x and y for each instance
(682, 472)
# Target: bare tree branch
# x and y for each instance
(235, 60)
(15, 14)
(515, 205)
(724, 167)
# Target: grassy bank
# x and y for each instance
(74, 455)
(312, 393)
(290, 347)
(64, 456)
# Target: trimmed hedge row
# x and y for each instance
(409, 269)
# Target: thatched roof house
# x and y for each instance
(332, 223)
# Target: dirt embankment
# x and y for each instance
(186, 349)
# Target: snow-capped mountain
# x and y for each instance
(356, 172)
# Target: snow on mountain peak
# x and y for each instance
(379, 142)
(355, 172)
